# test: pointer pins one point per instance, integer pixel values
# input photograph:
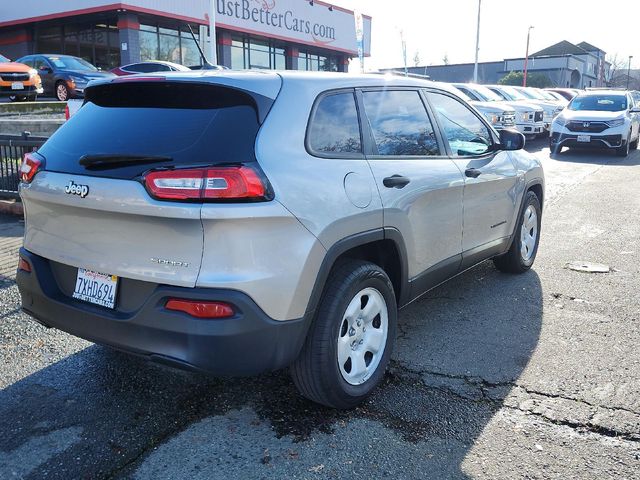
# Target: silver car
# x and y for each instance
(237, 222)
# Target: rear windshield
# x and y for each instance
(182, 124)
(603, 103)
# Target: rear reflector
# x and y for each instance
(201, 309)
(24, 265)
(29, 168)
(220, 183)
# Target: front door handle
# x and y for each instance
(472, 172)
(395, 181)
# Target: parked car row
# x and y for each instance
(66, 76)
(533, 110)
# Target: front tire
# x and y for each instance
(62, 92)
(623, 150)
(522, 253)
(349, 344)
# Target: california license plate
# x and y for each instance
(95, 287)
(584, 138)
(17, 86)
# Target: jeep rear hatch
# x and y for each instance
(88, 206)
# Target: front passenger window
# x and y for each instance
(466, 134)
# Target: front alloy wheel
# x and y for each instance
(62, 92)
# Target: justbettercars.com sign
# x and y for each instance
(291, 20)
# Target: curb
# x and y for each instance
(11, 207)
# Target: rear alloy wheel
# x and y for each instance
(348, 347)
(522, 253)
(62, 92)
(623, 150)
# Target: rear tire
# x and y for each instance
(337, 366)
(522, 253)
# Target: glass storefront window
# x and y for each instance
(314, 62)
(96, 43)
(169, 48)
(148, 45)
(257, 53)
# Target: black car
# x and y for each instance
(63, 76)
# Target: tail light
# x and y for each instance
(219, 183)
(201, 309)
(67, 115)
(30, 166)
(23, 265)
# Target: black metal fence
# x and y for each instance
(12, 150)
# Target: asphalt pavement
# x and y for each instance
(493, 376)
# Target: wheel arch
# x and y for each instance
(384, 247)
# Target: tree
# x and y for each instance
(445, 59)
(534, 79)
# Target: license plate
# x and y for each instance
(17, 86)
(584, 138)
(95, 287)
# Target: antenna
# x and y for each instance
(205, 63)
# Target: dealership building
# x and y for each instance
(256, 34)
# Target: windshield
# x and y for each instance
(511, 93)
(461, 93)
(529, 94)
(599, 103)
(486, 94)
(71, 63)
(4, 59)
(546, 95)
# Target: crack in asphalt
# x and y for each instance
(483, 385)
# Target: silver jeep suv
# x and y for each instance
(238, 222)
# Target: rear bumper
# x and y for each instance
(246, 344)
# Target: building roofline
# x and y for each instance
(137, 9)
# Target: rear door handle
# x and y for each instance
(395, 181)
(472, 172)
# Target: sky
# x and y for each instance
(435, 29)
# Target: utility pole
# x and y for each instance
(475, 65)
(404, 53)
(213, 53)
(629, 71)
(526, 58)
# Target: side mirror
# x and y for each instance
(511, 140)
(44, 69)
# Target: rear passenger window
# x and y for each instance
(400, 123)
(334, 127)
(465, 132)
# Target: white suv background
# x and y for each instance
(598, 119)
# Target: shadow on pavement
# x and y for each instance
(596, 157)
(458, 352)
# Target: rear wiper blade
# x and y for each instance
(109, 160)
